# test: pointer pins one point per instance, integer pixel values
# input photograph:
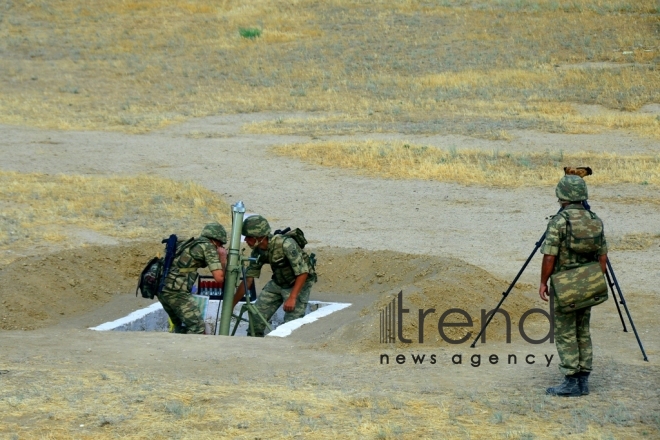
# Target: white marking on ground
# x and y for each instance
(285, 330)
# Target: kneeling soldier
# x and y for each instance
(293, 274)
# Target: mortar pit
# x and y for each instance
(155, 319)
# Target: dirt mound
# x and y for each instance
(41, 291)
(427, 283)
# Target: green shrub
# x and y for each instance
(251, 33)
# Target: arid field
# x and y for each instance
(417, 144)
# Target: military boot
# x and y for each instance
(583, 381)
(570, 388)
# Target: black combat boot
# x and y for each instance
(570, 388)
(583, 381)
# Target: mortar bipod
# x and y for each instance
(248, 306)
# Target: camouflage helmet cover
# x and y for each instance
(255, 226)
(572, 188)
(215, 231)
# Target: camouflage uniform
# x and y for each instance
(175, 297)
(287, 261)
(572, 336)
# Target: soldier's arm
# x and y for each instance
(295, 256)
(602, 255)
(550, 250)
(290, 302)
(211, 257)
(240, 291)
(546, 270)
(602, 259)
(219, 276)
(253, 271)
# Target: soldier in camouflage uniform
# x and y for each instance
(572, 336)
(205, 251)
(293, 274)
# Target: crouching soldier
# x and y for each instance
(293, 273)
(205, 251)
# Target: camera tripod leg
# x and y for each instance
(505, 294)
(616, 301)
(625, 306)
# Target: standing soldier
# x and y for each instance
(572, 336)
(205, 251)
(293, 273)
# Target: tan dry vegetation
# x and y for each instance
(106, 404)
(644, 200)
(462, 67)
(38, 207)
(634, 242)
(405, 161)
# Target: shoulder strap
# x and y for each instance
(279, 239)
(183, 246)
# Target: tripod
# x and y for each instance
(611, 281)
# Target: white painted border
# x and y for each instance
(133, 316)
(281, 331)
(285, 330)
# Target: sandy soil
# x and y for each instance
(444, 245)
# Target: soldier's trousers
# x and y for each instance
(573, 340)
(270, 299)
(181, 309)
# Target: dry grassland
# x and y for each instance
(634, 242)
(108, 404)
(404, 161)
(466, 66)
(36, 207)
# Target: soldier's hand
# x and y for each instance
(543, 292)
(289, 304)
(222, 255)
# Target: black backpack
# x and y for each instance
(152, 277)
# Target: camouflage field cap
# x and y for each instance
(572, 189)
(255, 226)
(215, 231)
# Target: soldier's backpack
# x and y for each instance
(152, 277)
(299, 237)
(584, 233)
(297, 234)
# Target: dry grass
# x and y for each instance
(468, 66)
(634, 200)
(109, 404)
(404, 161)
(37, 207)
(634, 242)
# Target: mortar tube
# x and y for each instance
(232, 275)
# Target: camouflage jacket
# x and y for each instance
(183, 273)
(286, 259)
(573, 220)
